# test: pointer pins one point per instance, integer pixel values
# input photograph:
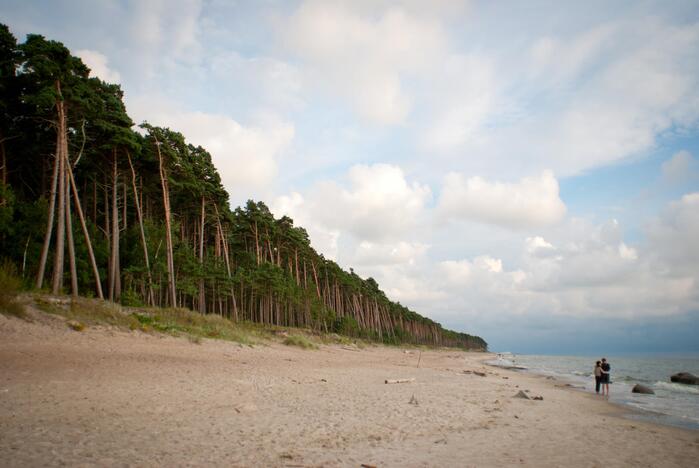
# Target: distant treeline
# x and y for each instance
(90, 206)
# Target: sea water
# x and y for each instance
(673, 404)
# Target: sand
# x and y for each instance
(103, 397)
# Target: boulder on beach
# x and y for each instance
(685, 378)
(638, 388)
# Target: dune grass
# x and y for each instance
(9, 289)
(83, 313)
(300, 341)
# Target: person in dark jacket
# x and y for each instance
(598, 375)
(606, 369)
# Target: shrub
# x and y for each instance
(9, 288)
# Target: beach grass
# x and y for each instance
(300, 341)
(9, 288)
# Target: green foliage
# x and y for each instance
(254, 268)
(346, 326)
(9, 288)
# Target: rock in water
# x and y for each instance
(638, 388)
(685, 378)
(521, 394)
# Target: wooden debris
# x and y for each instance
(390, 381)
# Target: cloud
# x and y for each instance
(167, 27)
(97, 63)
(375, 203)
(639, 84)
(463, 95)
(324, 239)
(366, 219)
(538, 247)
(246, 156)
(679, 168)
(401, 252)
(533, 201)
(673, 237)
(362, 52)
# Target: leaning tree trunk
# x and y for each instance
(227, 259)
(49, 223)
(139, 214)
(57, 282)
(86, 234)
(69, 232)
(168, 232)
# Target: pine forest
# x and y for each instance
(92, 205)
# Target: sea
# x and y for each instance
(673, 404)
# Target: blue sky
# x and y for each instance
(526, 171)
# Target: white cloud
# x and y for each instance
(323, 238)
(537, 246)
(167, 27)
(377, 202)
(673, 237)
(362, 52)
(463, 94)
(401, 252)
(246, 156)
(97, 63)
(366, 219)
(640, 84)
(533, 201)
(679, 167)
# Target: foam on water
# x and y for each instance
(678, 387)
(673, 403)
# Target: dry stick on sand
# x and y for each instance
(418, 359)
(388, 381)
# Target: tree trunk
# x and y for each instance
(139, 214)
(69, 233)
(168, 233)
(114, 291)
(57, 282)
(257, 244)
(202, 293)
(227, 260)
(86, 234)
(49, 224)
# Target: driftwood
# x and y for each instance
(389, 381)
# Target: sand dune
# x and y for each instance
(104, 397)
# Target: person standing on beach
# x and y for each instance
(606, 368)
(598, 375)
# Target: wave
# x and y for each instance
(506, 363)
(677, 387)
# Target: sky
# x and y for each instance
(524, 171)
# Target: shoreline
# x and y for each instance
(620, 398)
(109, 397)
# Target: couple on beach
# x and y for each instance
(602, 369)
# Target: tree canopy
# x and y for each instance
(144, 218)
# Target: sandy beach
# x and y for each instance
(104, 397)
